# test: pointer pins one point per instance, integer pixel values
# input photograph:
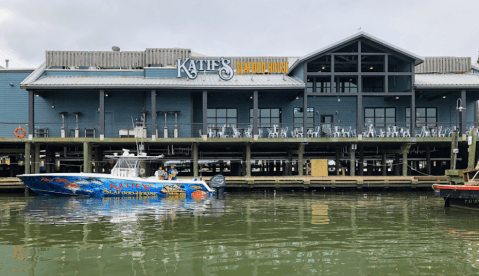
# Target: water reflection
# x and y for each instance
(243, 234)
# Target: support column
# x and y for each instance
(384, 168)
(255, 112)
(102, 114)
(154, 130)
(472, 151)
(194, 152)
(48, 159)
(405, 150)
(300, 159)
(359, 115)
(361, 161)
(413, 113)
(98, 160)
(352, 165)
(28, 149)
(248, 160)
(205, 110)
(86, 157)
(37, 158)
(337, 161)
(464, 112)
(396, 164)
(428, 160)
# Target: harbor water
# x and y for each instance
(253, 233)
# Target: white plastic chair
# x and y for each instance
(284, 132)
(316, 133)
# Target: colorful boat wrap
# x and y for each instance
(100, 185)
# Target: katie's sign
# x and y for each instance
(191, 67)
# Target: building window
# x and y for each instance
(380, 116)
(267, 116)
(345, 63)
(346, 84)
(323, 84)
(298, 117)
(373, 84)
(321, 64)
(217, 117)
(424, 116)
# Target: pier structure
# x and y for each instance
(366, 106)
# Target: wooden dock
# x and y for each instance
(11, 183)
(302, 182)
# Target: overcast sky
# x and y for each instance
(235, 28)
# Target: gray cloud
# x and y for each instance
(291, 28)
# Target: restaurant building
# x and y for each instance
(351, 102)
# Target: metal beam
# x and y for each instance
(305, 100)
(359, 114)
(413, 114)
(102, 114)
(205, 110)
(154, 130)
(464, 112)
(255, 113)
(31, 113)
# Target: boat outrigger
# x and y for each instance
(124, 180)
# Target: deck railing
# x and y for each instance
(236, 130)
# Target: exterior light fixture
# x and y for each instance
(308, 80)
(11, 84)
(459, 105)
(250, 97)
(297, 97)
(443, 97)
(323, 67)
(106, 95)
(397, 98)
(53, 106)
(371, 68)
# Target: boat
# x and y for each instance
(124, 180)
(462, 190)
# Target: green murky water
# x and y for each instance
(333, 233)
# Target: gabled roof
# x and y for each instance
(417, 59)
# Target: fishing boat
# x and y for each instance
(462, 190)
(124, 180)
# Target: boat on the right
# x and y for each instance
(462, 190)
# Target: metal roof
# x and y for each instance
(441, 81)
(417, 59)
(475, 66)
(202, 81)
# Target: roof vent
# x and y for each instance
(6, 63)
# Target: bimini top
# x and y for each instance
(417, 59)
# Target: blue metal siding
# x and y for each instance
(98, 73)
(298, 71)
(162, 73)
(13, 103)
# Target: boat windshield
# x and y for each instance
(126, 167)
